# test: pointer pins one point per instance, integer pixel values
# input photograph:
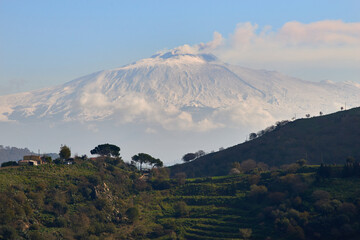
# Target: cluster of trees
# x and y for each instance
(192, 156)
(248, 166)
(144, 158)
(350, 169)
(9, 164)
(274, 127)
(298, 212)
(251, 166)
(271, 128)
(106, 150)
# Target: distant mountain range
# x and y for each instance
(162, 95)
(329, 139)
(14, 154)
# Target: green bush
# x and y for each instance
(132, 214)
(8, 232)
(181, 209)
(9, 163)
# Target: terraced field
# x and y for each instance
(209, 214)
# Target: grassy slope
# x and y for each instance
(51, 175)
(329, 139)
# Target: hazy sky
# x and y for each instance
(45, 43)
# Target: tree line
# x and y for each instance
(103, 150)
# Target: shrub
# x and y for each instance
(9, 163)
(320, 195)
(35, 235)
(181, 209)
(181, 178)
(276, 197)
(234, 171)
(161, 185)
(248, 165)
(254, 179)
(132, 214)
(7, 232)
(245, 233)
(140, 185)
(347, 208)
(257, 192)
(297, 201)
(324, 206)
(94, 180)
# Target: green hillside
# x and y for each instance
(108, 199)
(325, 139)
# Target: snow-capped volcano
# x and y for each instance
(180, 91)
(174, 83)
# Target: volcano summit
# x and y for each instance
(169, 104)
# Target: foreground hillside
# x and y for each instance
(107, 199)
(325, 139)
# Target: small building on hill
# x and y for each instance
(32, 160)
(28, 162)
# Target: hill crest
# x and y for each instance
(328, 139)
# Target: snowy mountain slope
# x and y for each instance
(168, 104)
(174, 85)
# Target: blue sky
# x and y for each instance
(45, 43)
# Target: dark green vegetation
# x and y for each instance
(85, 200)
(325, 139)
(65, 152)
(109, 199)
(105, 198)
(144, 158)
(106, 150)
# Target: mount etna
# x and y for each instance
(169, 104)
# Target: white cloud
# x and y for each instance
(150, 130)
(246, 114)
(135, 108)
(318, 33)
(320, 50)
